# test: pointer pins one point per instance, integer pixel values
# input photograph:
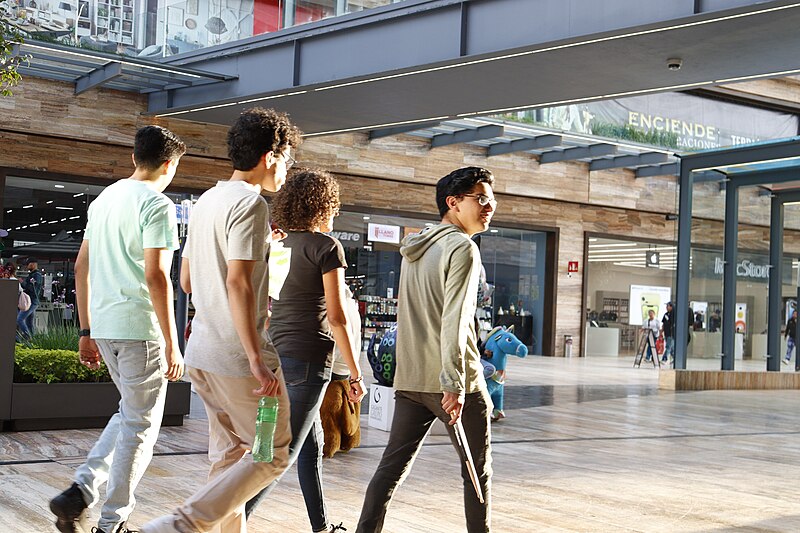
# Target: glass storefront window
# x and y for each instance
(624, 280)
(514, 263)
(45, 219)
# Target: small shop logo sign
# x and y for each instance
(383, 233)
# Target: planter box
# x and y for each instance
(39, 406)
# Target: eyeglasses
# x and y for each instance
(482, 199)
(290, 161)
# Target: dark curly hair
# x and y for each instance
(258, 131)
(306, 200)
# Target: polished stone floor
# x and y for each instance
(588, 445)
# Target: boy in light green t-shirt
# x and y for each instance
(126, 316)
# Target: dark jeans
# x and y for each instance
(414, 413)
(25, 321)
(306, 384)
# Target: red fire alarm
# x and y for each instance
(572, 266)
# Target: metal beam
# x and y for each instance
(97, 77)
(774, 302)
(523, 145)
(670, 169)
(705, 176)
(730, 252)
(397, 130)
(480, 133)
(579, 152)
(683, 274)
(54, 68)
(168, 78)
(755, 153)
(647, 158)
(65, 60)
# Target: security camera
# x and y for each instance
(675, 63)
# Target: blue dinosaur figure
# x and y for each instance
(499, 344)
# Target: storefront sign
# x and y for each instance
(572, 266)
(669, 120)
(745, 269)
(349, 239)
(383, 233)
(653, 259)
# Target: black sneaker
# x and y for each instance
(71, 511)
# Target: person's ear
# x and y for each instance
(133, 159)
(452, 202)
(269, 159)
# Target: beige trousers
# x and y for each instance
(234, 477)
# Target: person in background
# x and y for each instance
(651, 325)
(125, 303)
(32, 285)
(668, 330)
(308, 316)
(791, 341)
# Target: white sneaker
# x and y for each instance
(163, 524)
(785, 361)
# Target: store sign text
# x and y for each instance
(745, 269)
(384, 233)
(346, 236)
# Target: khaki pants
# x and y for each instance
(234, 477)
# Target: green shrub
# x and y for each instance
(36, 365)
(628, 132)
(55, 338)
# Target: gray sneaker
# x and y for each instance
(71, 511)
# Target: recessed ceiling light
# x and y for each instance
(76, 195)
(76, 216)
(493, 231)
(9, 210)
(58, 186)
(65, 208)
(365, 218)
(27, 206)
(49, 202)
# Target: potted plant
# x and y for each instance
(50, 389)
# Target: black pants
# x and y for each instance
(414, 413)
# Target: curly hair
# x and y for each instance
(258, 131)
(306, 201)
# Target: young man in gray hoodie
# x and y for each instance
(439, 373)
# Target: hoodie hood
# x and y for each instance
(414, 246)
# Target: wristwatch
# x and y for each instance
(84, 333)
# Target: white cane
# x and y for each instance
(461, 438)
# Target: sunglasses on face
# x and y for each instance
(482, 199)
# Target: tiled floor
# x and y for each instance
(589, 445)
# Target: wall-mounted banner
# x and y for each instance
(383, 233)
(645, 298)
(680, 121)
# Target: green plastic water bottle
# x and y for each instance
(266, 420)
